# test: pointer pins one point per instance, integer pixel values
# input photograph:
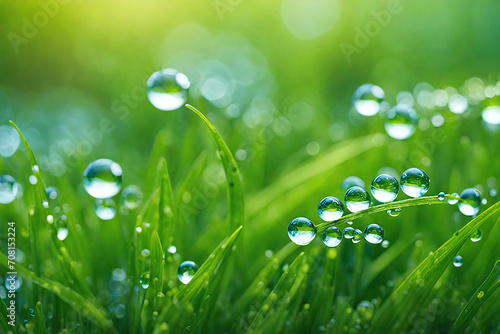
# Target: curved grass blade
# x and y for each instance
(40, 327)
(157, 263)
(166, 206)
(485, 290)
(157, 152)
(79, 303)
(282, 301)
(4, 321)
(413, 291)
(235, 186)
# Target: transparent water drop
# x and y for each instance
(493, 192)
(386, 244)
(441, 196)
(348, 232)
(453, 201)
(385, 188)
(367, 99)
(32, 312)
(172, 249)
(365, 310)
(144, 280)
(358, 236)
(8, 189)
(52, 192)
(145, 252)
(374, 234)
(415, 182)
(33, 179)
(167, 89)
(132, 197)
(349, 223)
(35, 169)
(105, 209)
(470, 202)
(301, 231)
(352, 181)
(13, 282)
(476, 236)
(62, 231)
(9, 141)
(332, 236)
(394, 212)
(330, 209)
(401, 122)
(458, 261)
(357, 199)
(50, 219)
(186, 271)
(102, 178)
(484, 201)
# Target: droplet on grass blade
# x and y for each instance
(102, 178)
(167, 89)
(186, 271)
(301, 231)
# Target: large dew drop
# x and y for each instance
(167, 89)
(186, 271)
(367, 98)
(330, 209)
(470, 202)
(458, 261)
(415, 182)
(358, 236)
(357, 199)
(8, 189)
(102, 178)
(105, 209)
(349, 232)
(144, 280)
(374, 234)
(132, 197)
(385, 188)
(476, 236)
(401, 121)
(301, 231)
(332, 236)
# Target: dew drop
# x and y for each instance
(357, 199)
(8, 189)
(349, 232)
(33, 179)
(332, 236)
(358, 236)
(441, 196)
(386, 244)
(453, 201)
(50, 219)
(132, 197)
(145, 252)
(484, 201)
(186, 271)
(367, 98)
(470, 202)
(52, 192)
(493, 192)
(144, 280)
(394, 212)
(374, 234)
(102, 178)
(476, 236)
(349, 223)
(62, 233)
(330, 209)
(13, 282)
(9, 141)
(385, 188)
(458, 261)
(414, 182)
(167, 89)
(105, 209)
(301, 231)
(401, 121)
(352, 181)
(365, 310)
(35, 169)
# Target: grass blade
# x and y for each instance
(232, 172)
(40, 327)
(166, 206)
(4, 321)
(410, 295)
(157, 264)
(485, 290)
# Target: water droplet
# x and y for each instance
(33, 179)
(415, 182)
(8, 189)
(13, 282)
(102, 178)
(367, 98)
(476, 236)
(484, 201)
(470, 202)
(172, 249)
(441, 196)
(145, 252)
(458, 261)
(132, 197)
(330, 209)
(385, 244)
(138, 229)
(301, 231)
(332, 236)
(453, 201)
(357, 199)
(480, 294)
(105, 209)
(349, 223)
(167, 89)
(352, 181)
(385, 188)
(365, 310)
(394, 212)
(52, 192)
(493, 192)
(401, 121)
(9, 141)
(358, 236)
(62, 233)
(186, 271)
(374, 234)
(144, 280)
(349, 232)
(50, 219)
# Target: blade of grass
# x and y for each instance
(79, 303)
(4, 321)
(157, 264)
(40, 326)
(166, 206)
(157, 152)
(413, 291)
(235, 186)
(485, 290)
